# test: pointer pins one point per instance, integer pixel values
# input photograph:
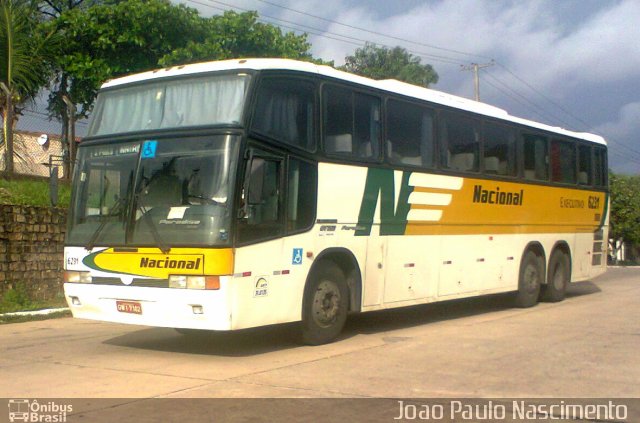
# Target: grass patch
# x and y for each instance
(29, 192)
(17, 299)
(21, 319)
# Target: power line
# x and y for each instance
(374, 32)
(534, 107)
(322, 33)
(505, 68)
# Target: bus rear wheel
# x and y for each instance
(557, 279)
(530, 280)
(325, 305)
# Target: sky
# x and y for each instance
(568, 63)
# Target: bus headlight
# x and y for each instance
(72, 276)
(194, 282)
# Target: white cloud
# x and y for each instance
(582, 54)
(622, 135)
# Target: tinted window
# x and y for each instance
(260, 203)
(536, 157)
(584, 165)
(599, 167)
(460, 142)
(285, 111)
(351, 123)
(409, 134)
(301, 198)
(499, 150)
(563, 161)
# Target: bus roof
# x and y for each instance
(389, 85)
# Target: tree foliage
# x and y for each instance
(384, 63)
(234, 35)
(112, 39)
(109, 40)
(625, 207)
(24, 52)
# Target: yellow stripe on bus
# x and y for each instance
(151, 262)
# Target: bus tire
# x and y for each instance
(325, 304)
(557, 278)
(529, 280)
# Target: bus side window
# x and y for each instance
(409, 134)
(599, 167)
(584, 165)
(499, 150)
(563, 161)
(285, 111)
(459, 143)
(261, 200)
(302, 185)
(351, 123)
(536, 157)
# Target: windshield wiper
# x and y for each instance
(154, 231)
(115, 211)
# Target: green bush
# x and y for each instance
(28, 192)
(15, 299)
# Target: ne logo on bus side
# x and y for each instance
(393, 214)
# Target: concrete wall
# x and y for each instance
(31, 249)
(31, 158)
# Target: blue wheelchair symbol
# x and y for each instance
(297, 256)
(149, 149)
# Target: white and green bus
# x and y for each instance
(242, 193)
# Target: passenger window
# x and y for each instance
(260, 211)
(459, 142)
(599, 167)
(563, 161)
(536, 157)
(351, 123)
(499, 150)
(301, 199)
(285, 111)
(584, 165)
(409, 134)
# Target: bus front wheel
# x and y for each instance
(558, 278)
(530, 280)
(325, 305)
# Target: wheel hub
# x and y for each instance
(326, 303)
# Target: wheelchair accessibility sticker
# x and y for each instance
(297, 256)
(149, 149)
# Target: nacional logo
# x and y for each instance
(496, 196)
(169, 263)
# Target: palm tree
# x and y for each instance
(24, 56)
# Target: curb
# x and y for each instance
(35, 313)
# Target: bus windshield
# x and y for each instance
(195, 101)
(155, 193)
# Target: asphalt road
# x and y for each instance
(585, 346)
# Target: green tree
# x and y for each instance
(624, 221)
(235, 35)
(24, 54)
(110, 40)
(385, 63)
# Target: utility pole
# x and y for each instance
(475, 67)
(8, 130)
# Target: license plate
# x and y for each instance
(133, 307)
